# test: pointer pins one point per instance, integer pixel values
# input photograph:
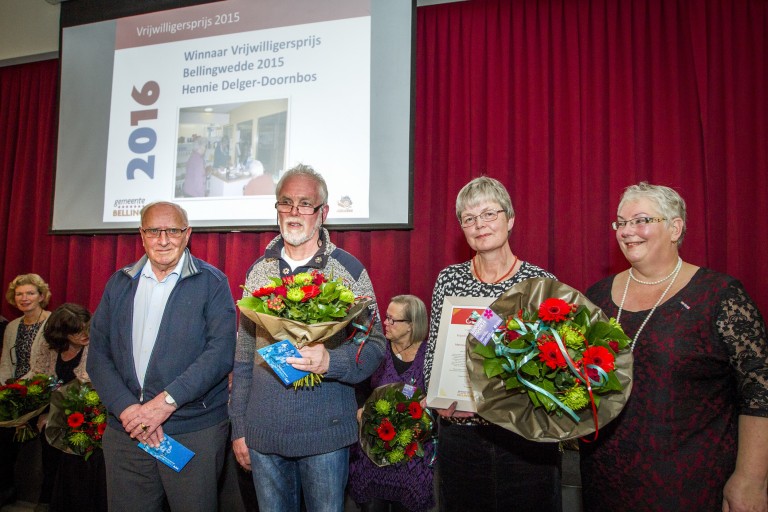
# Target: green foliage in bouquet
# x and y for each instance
(394, 426)
(22, 400)
(556, 355)
(307, 297)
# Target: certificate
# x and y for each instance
(449, 381)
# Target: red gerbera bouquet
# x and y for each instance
(23, 400)
(77, 419)
(394, 426)
(556, 349)
(304, 308)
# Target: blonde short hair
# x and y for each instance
(33, 279)
(670, 204)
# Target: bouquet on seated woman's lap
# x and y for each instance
(77, 419)
(23, 400)
(304, 308)
(394, 427)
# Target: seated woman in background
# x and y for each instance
(406, 486)
(69, 482)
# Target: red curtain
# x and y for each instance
(566, 102)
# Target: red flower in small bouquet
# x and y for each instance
(303, 308)
(394, 425)
(77, 419)
(23, 400)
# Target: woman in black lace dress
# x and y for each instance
(694, 433)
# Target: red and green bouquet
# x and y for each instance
(556, 352)
(23, 400)
(303, 308)
(77, 419)
(394, 426)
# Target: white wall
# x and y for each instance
(29, 30)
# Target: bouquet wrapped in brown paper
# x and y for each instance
(553, 366)
(304, 308)
(77, 419)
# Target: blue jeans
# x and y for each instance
(279, 481)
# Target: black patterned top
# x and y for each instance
(700, 362)
(23, 348)
(458, 280)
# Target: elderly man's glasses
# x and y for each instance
(156, 232)
(488, 216)
(392, 321)
(303, 208)
(638, 221)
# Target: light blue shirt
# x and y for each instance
(148, 308)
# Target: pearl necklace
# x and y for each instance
(669, 286)
(651, 283)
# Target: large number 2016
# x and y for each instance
(142, 140)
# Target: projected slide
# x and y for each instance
(209, 105)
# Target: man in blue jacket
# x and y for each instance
(162, 345)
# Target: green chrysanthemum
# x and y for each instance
(573, 337)
(34, 389)
(346, 295)
(78, 440)
(396, 455)
(295, 294)
(404, 437)
(576, 398)
(4, 394)
(303, 278)
(382, 406)
(92, 398)
(101, 418)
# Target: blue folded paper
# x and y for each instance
(170, 452)
(275, 355)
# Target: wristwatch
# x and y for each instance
(169, 399)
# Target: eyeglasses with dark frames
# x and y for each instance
(392, 321)
(303, 209)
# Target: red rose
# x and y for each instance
(599, 356)
(318, 278)
(550, 353)
(310, 291)
(386, 430)
(263, 292)
(410, 450)
(75, 419)
(614, 346)
(415, 409)
(281, 291)
(554, 310)
(400, 407)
